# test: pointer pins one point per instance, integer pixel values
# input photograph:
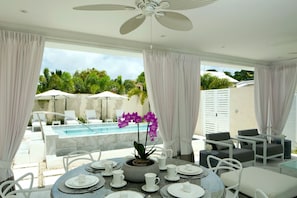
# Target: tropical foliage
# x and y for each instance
(92, 81)
(87, 81)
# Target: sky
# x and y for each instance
(69, 60)
(129, 67)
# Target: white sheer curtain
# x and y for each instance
(262, 95)
(284, 79)
(173, 84)
(274, 92)
(20, 61)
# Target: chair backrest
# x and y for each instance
(91, 114)
(221, 136)
(248, 132)
(39, 116)
(260, 194)
(70, 115)
(226, 164)
(77, 158)
(11, 188)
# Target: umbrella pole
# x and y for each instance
(101, 109)
(55, 107)
(106, 108)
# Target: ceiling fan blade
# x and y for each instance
(174, 21)
(132, 24)
(187, 4)
(103, 7)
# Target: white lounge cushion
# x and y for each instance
(275, 185)
(71, 122)
(94, 121)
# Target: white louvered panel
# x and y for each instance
(209, 111)
(223, 110)
(216, 110)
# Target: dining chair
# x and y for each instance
(79, 157)
(223, 166)
(13, 188)
(260, 194)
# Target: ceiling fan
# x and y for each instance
(157, 8)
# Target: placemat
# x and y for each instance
(67, 190)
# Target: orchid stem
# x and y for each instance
(146, 135)
(138, 132)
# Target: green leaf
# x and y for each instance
(140, 149)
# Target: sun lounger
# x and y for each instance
(70, 117)
(91, 117)
(38, 118)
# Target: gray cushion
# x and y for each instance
(221, 147)
(217, 137)
(272, 149)
(248, 132)
(242, 155)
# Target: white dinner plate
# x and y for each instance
(89, 181)
(189, 170)
(101, 164)
(177, 191)
(125, 193)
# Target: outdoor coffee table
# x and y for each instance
(289, 166)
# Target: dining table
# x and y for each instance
(207, 180)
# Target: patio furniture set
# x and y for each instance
(248, 147)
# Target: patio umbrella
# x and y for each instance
(53, 95)
(108, 95)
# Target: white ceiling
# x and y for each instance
(246, 31)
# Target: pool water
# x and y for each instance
(89, 129)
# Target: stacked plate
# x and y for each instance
(101, 164)
(177, 190)
(86, 182)
(189, 169)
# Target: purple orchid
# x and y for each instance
(151, 131)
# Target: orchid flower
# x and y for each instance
(152, 128)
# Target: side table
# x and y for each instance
(56, 122)
(203, 157)
(287, 148)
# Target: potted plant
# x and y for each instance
(134, 169)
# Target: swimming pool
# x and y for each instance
(93, 129)
(63, 139)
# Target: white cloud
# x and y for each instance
(71, 61)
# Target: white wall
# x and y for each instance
(82, 102)
(242, 114)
